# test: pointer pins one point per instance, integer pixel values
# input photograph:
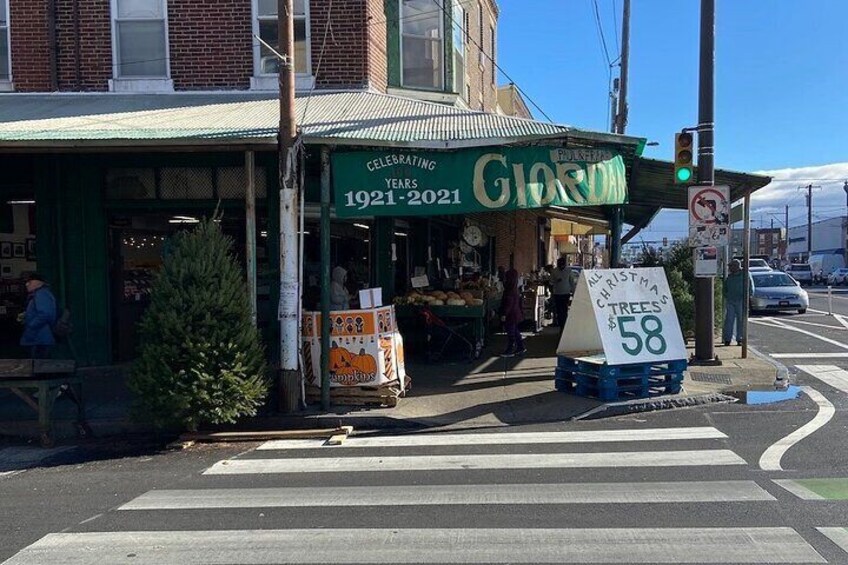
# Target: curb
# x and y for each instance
(782, 370)
(626, 407)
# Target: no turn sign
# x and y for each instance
(709, 215)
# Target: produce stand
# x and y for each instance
(366, 357)
(475, 315)
(47, 379)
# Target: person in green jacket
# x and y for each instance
(733, 291)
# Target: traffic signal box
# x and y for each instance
(683, 171)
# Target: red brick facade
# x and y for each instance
(211, 44)
(211, 48)
(84, 64)
(30, 45)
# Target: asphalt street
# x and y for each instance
(725, 483)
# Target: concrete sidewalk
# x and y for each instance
(492, 391)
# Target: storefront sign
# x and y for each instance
(627, 315)
(425, 183)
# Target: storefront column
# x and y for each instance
(384, 268)
(250, 235)
(616, 219)
(325, 278)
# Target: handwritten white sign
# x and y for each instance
(627, 315)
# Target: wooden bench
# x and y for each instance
(47, 378)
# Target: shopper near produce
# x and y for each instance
(511, 314)
(339, 296)
(561, 284)
(39, 318)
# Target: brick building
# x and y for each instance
(414, 48)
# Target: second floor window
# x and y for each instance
(266, 15)
(5, 59)
(459, 31)
(422, 44)
(141, 40)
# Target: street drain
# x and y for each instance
(711, 378)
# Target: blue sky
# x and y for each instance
(781, 83)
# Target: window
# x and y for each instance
(140, 38)
(422, 44)
(5, 56)
(459, 17)
(266, 28)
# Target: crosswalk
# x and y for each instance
(639, 495)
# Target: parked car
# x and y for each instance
(758, 265)
(801, 272)
(777, 292)
(839, 276)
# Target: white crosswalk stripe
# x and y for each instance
(829, 374)
(337, 546)
(226, 488)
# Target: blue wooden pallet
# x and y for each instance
(618, 382)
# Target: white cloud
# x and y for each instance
(828, 200)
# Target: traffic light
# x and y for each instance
(683, 157)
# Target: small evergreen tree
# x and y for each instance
(201, 359)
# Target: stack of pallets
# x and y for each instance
(592, 377)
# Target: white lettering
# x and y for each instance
(480, 182)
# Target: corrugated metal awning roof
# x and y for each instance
(240, 119)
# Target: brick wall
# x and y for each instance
(484, 94)
(515, 234)
(95, 45)
(211, 44)
(377, 70)
(344, 62)
(29, 45)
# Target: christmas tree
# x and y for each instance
(201, 359)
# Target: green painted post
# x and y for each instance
(325, 278)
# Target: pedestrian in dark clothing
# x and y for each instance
(39, 318)
(562, 287)
(511, 314)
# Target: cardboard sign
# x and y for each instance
(370, 298)
(626, 315)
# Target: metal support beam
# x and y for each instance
(250, 230)
(746, 255)
(325, 278)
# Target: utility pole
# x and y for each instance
(619, 125)
(809, 221)
(786, 239)
(289, 386)
(704, 286)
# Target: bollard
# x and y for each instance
(829, 300)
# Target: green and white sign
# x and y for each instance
(487, 179)
(625, 314)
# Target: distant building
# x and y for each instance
(829, 237)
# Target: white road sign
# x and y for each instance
(709, 215)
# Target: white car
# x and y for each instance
(839, 276)
(758, 266)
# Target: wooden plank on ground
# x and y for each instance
(265, 435)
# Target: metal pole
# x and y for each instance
(786, 238)
(289, 291)
(829, 300)
(704, 287)
(620, 124)
(250, 230)
(325, 278)
(746, 291)
(809, 221)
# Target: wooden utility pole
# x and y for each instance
(704, 286)
(619, 125)
(289, 386)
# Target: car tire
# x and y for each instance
(802, 311)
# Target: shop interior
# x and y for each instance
(17, 260)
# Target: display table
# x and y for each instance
(475, 315)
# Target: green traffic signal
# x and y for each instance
(684, 174)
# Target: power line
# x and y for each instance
(498, 67)
(601, 32)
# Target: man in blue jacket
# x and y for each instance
(39, 318)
